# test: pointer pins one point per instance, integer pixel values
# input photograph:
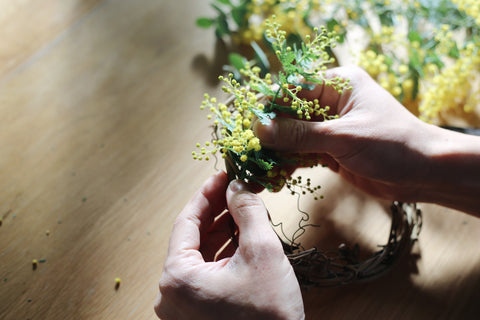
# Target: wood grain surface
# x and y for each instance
(99, 115)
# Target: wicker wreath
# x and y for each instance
(317, 268)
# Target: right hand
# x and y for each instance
(376, 144)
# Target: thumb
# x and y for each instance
(250, 215)
(293, 135)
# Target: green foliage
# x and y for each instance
(261, 58)
(204, 22)
(237, 60)
(417, 22)
(227, 11)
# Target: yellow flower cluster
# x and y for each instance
(241, 142)
(289, 13)
(397, 78)
(457, 85)
(471, 7)
(253, 74)
(394, 81)
(387, 35)
(445, 39)
(236, 119)
(317, 47)
(419, 86)
(305, 109)
(372, 62)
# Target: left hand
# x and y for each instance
(253, 281)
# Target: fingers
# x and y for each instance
(198, 215)
(292, 135)
(326, 95)
(250, 215)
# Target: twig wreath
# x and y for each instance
(264, 96)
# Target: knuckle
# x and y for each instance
(246, 207)
(247, 202)
(173, 280)
(167, 283)
(298, 134)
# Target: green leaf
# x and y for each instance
(261, 57)
(263, 88)
(222, 27)
(218, 9)
(239, 16)
(264, 165)
(388, 61)
(415, 62)
(227, 2)
(433, 58)
(414, 36)
(264, 117)
(331, 24)
(283, 109)
(386, 18)
(204, 22)
(229, 127)
(287, 58)
(282, 78)
(237, 60)
(291, 69)
(313, 78)
(454, 52)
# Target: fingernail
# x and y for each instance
(237, 185)
(265, 132)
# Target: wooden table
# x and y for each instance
(98, 110)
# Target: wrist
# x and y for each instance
(452, 173)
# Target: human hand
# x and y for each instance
(376, 144)
(253, 281)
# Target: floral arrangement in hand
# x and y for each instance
(260, 98)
